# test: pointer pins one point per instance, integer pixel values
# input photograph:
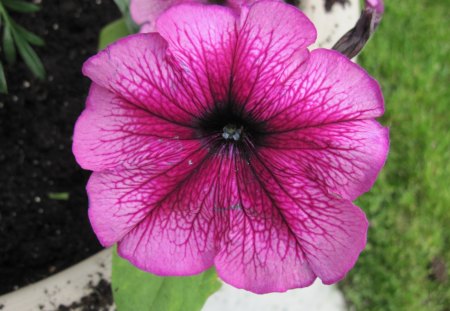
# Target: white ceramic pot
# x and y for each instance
(331, 26)
(77, 281)
(63, 288)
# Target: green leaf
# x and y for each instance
(21, 6)
(8, 45)
(123, 5)
(30, 57)
(112, 32)
(59, 196)
(137, 290)
(3, 86)
(132, 26)
(27, 35)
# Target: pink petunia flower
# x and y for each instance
(221, 140)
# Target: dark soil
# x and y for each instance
(100, 299)
(42, 233)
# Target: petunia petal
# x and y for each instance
(120, 200)
(138, 70)
(262, 256)
(287, 231)
(344, 157)
(272, 42)
(178, 236)
(328, 88)
(331, 230)
(145, 12)
(378, 7)
(202, 40)
(113, 132)
(259, 252)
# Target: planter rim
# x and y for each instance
(62, 288)
(332, 25)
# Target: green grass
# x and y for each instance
(409, 207)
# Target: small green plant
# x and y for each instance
(119, 28)
(17, 40)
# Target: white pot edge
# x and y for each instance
(331, 26)
(63, 288)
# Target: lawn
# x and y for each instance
(405, 265)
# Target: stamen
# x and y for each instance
(231, 131)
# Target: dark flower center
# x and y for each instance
(226, 126)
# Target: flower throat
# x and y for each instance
(227, 125)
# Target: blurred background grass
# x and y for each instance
(406, 263)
